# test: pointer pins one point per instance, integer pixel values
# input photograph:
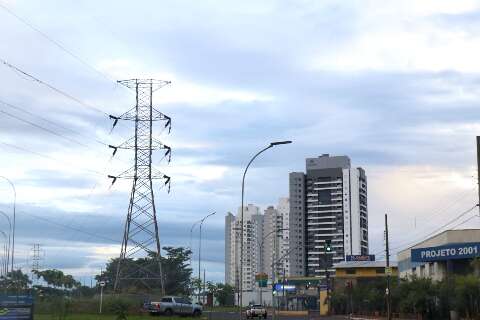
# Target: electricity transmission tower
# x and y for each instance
(37, 257)
(139, 264)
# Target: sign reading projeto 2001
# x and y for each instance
(447, 252)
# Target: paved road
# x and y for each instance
(234, 316)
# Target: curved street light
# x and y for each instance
(273, 254)
(271, 145)
(5, 262)
(13, 225)
(200, 249)
(9, 235)
(191, 237)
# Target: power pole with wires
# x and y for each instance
(478, 170)
(388, 272)
(140, 257)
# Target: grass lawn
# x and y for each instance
(110, 317)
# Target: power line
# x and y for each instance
(440, 211)
(465, 221)
(70, 227)
(48, 157)
(438, 229)
(56, 43)
(51, 87)
(43, 128)
(16, 107)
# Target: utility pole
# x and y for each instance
(140, 239)
(387, 253)
(274, 256)
(478, 170)
(204, 288)
(327, 249)
(283, 291)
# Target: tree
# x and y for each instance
(177, 270)
(57, 279)
(467, 295)
(175, 267)
(15, 280)
(224, 294)
(419, 297)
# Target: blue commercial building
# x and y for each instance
(449, 252)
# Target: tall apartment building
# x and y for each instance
(283, 209)
(265, 241)
(252, 235)
(329, 201)
(275, 240)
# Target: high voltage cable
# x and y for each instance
(51, 122)
(70, 227)
(43, 128)
(51, 87)
(56, 43)
(438, 229)
(48, 157)
(465, 221)
(440, 211)
(49, 131)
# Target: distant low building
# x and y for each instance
(358, 272)
(450, 252)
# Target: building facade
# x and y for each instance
(449, 252)
(252, 234)
(265, 242)
(327, 202)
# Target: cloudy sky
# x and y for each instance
(392, 84)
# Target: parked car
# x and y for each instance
(175, 305)
(256, 310)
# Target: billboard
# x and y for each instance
(446, 252)
(368, 257)
(16, 307)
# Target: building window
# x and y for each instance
(351, 271)
(380, 270)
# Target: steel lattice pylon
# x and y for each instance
(139, 264)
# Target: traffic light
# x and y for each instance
(328, 245)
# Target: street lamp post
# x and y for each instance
(9, 235)
(13, 225)
(5, 261)
(261, 255)
(200, 253)
(191, 235)
(271, 145)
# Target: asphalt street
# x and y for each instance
(234, 316)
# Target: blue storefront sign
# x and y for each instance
(367, 257)
(16, 307)
(446, 252)
(286, 287)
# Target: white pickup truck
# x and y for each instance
(175, 305)
(256, 310)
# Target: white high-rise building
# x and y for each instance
(269, 230)
(329, 202)
(283, 209)
(252, 235)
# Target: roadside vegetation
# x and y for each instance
(58, 296)
(418, 297)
